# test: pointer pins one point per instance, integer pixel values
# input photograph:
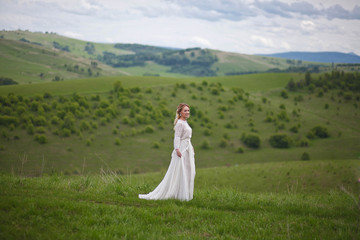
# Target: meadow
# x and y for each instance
(88, 123)
(75, 154)
(243, 202)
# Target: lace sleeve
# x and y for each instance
(178, 131)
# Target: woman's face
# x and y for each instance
(185, 112)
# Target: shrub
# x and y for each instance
(249, 105)
(100, 113)
(7, 120)
(117, 141)
(223, 143)
(40, 121)
(30, 129)
(84, 125)
(55, 120)
(280, 141)
(149, 129)
(65, 132)
(207, 132)
(205, 144)
(47, 95)
(320, 94)
(40, 130)
(310, 135)
(215, 91)
(103, 121)
(41, 138)
(156, 145)
(320, 132)
(294, 129)
(283, 116)
(252, 141)
(104, 104)
(305, 156)
(94, 125)
(231, 125)
(239, 150)
(284, 94)
(304, 142)
(268, 119)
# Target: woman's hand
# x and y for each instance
(178, 153)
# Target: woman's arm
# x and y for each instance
(177, 136)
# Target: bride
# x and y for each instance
(178, 182)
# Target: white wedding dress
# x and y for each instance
(178, 182)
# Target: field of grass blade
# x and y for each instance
(106, 206)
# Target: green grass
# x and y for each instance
(76, 46)
(98, 147)
(251, 83)
(24, 62)
(237, 63)
(229, 203)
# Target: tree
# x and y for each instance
(7, 81)
(280, 141)
(89, 48)
(252, 141)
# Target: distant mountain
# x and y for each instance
(324, 57)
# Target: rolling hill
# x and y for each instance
(40, 57)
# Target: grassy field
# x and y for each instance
(218, 119)
(75, 46)
(252, 83)
(84, 185)
(303, 200)
(28, 63)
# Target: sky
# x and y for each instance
(241, 26)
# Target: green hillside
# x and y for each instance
(31, 63)
(59, 127)
(41, 57)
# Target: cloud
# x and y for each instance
(73, 35)
(212, 10)
(246, 26)
(262, 41)
(307, 26)
(290, 10)
(337, 11)
(202, 41)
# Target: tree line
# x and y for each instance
(189, 62)
(344, 81)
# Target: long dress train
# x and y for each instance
(178, 182)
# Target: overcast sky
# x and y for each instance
(243, 26)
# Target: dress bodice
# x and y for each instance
(182, 131)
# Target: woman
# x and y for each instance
(178, 182)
